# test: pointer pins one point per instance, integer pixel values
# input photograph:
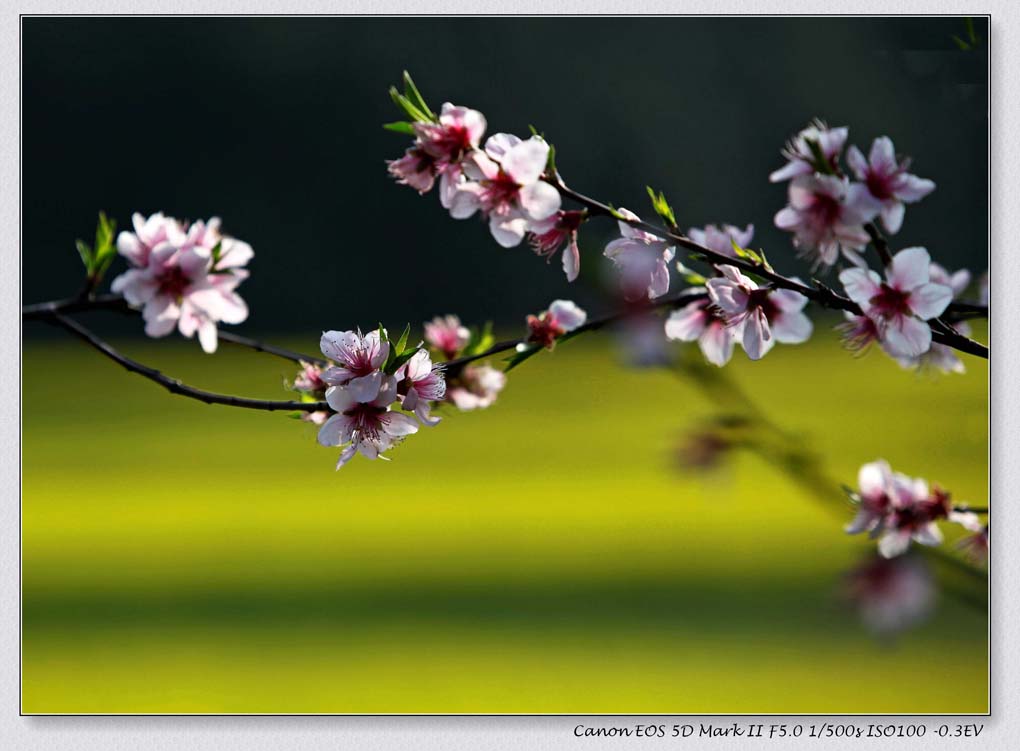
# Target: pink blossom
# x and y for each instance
(563, 316)
(311, 386)
(417, 168)
(309, 380)
(900, 305)
(359, 359)
(149, 233)
(505, 184)
(475, 387)
(420, 383)
(940, 357)
(827, 216)
(888, 180)
(560, 230)
(761, 315)
(447, 335)
(858, 332)
(957, 281)
(801, 157)
(892, 595)
(877, 488)
(702, 321)
(903, 510)
(975, 546)
(448, 142)
(642, 259)
(175, 280)
(911, 518)
(365, 427)
(721, 239)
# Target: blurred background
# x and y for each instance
(563, 551)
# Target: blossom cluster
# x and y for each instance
(503, 181)
(827, 211)
(183, 276)
(371, 387)
(898, 509)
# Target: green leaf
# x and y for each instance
(414, 96)
(661, 206)
(749, 254)
(104, 232)
(408, 106)
(86, 254)
(971, 33)
(550, 165)
(821, 164)
(518, 357)
(481, 340)
(401, 127)
(398, 360)
(402, 341)
(104, 251)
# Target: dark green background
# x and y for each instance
(273, 124)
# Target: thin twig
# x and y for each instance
(880, 243)
(452, 367)
(175, 386)
(44, 310)
(271, 349)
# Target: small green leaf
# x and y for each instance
(86, 254)
(520, 356)
(747, 253)
(402, 341)
(821, 164)
(481, 340)
(401, 127)
(661, 206)
(399, 360)
(414, 96)
(408, 106)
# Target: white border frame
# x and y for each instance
(84, 733)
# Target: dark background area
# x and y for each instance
(274, 125)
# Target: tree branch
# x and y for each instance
(175, 386)
(820, 294)
(452, 367)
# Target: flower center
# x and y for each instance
(366, 419)
(891, 302)
(879, 185)
(499, 193)
(760, 298)
(826, 209)
(173, 282)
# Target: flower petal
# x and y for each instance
(907, 337)
(930, 300)
(909, 268)
(526, 161)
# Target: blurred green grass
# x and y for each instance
(546, 555)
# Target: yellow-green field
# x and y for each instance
(546, 555)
